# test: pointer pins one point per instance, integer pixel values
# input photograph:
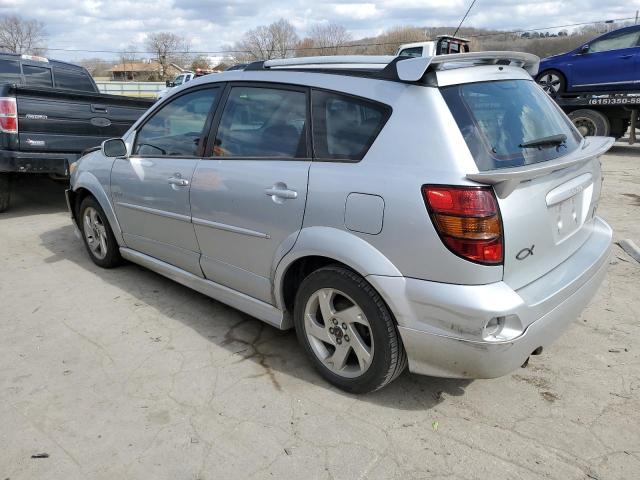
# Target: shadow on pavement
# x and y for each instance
(249, 338)
(35, 195)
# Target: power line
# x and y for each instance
(351, 45)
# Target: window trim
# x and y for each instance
(388, 111)
(208, 152)
(205, 128)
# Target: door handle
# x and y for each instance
(626, 56)
(180, 182)
(280, 190)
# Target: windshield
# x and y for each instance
(178, 81)
(500, 119)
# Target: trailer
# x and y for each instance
(607, 114)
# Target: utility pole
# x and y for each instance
(636, 16)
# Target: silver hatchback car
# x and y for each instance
(439, 212)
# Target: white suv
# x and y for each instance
(437, 210)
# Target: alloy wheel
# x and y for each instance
(338, 332)
(550, 83)
(95, 232)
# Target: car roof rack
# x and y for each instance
(402, 68)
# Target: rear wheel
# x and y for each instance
(619, 127)
(97, 234)
(347, 330)
(5, 191)
(590, 122)
(552, 82)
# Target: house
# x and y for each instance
(143, 71)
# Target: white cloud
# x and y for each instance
(210, 24)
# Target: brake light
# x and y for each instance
(467, 220)
(8, 115)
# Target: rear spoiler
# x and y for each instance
(413, 69)
(506, 180)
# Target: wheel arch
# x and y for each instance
(88, 184)
(317, 247)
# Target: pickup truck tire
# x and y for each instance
(97, 234)
(347, 330)
(5, 191)
(590, 122)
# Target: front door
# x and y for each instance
(609, 64)
(150, 189)
(248, 196)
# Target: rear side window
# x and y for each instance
(37, 76)
(10, 71)
(263, 122)
(497, 118)
(344, 127)
(73, 80)
(176, 129)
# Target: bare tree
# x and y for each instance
(265, 42)
(328, 39)
(22, 36)
(168, 48)
(127, 57)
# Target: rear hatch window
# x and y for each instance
(505, 123)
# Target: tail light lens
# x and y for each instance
(467, 220)
(8, 115)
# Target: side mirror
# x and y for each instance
(114, 147)
(169, 84)
(584, 49)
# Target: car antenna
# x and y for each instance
(464, 18)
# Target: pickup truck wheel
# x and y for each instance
(590, 122)
(5, 191)
(347, 330)
(97, 234)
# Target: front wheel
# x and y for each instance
(97, 234)
(552, 82)
(347, 331)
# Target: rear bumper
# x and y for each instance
(35, 162)
(442, 325)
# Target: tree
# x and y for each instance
(200, 62)
(127, 58)
(22, 36)
(327, 39)
(168, 48)
(265, 42)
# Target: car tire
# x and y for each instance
(590, 122)
(553, 82)
(97, 234)
(619, 127)
(358, 322)
(5, 191)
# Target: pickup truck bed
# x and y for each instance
(55, 126)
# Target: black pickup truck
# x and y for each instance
(50, 112)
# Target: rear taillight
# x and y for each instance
(467, 220)
(8, 115)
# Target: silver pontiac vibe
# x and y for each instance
(438, 212)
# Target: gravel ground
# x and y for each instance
(125, 374)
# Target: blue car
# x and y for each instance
(610, 62)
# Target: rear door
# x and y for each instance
(545, 219)
(248, 196)
(151, 187)
(610, 63)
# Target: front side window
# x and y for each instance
(37, 76)
(505, 123)
(344, 127)
(263, 122)
(615, 42)
(176, 129)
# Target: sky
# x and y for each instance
(209, 25)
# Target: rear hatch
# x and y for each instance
(547, 178)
